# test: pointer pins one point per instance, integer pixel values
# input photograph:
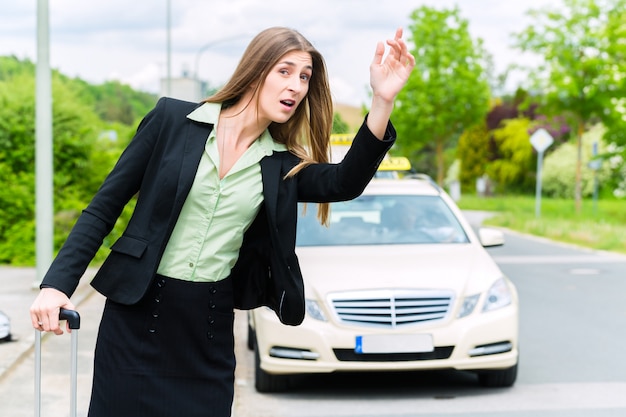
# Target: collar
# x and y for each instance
(210, 113)
(207, 113)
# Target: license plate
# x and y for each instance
(394, 343)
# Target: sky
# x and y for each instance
(127, 40)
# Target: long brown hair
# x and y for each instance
(307, 133)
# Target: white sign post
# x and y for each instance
(541, 140)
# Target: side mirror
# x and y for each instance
(490, 237)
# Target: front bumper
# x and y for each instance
(481, 341)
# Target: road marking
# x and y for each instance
(584, 271)
(559, 259)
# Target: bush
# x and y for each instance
(513, 170)
(82, 158)
(559, 170)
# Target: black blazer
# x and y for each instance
(160, 164)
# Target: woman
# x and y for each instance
(214, 224)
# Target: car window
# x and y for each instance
(382, 220)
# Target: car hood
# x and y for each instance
(463, 268)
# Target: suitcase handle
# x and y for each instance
(72, 317)
(73, 321)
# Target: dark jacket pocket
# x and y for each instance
(130, 246)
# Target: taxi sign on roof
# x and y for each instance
(341, 141)
(341, 138)
(395, 163)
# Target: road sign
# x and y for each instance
(595, 164)
(541, 140)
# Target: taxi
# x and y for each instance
(398, 282)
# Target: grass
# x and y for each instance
(600, 225)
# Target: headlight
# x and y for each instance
(498, 296)
(469, 303)
(313, 309)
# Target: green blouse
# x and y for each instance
(205, 242)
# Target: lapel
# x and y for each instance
(270, 174)
(195, 140)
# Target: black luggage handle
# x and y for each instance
(72, 317)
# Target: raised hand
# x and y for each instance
(389, 75)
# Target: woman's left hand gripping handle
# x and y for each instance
(44, 312)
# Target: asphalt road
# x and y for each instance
(572, 338)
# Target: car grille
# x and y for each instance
(391, 308)
(349, 355)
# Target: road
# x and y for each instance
(572, 338)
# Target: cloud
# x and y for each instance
(127, 40)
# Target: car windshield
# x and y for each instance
(382, 220)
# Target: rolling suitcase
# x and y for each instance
(73, 318)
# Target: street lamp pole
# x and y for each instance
(44, 221)
(211, 44)
(168, 82)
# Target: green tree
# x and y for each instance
(473, 154)
(583, 64)
(559, 166)
(82, 157)
(117, 102)
(10, 66)
(515, 162)
(447, 92)
(112, 101)
(339, 125)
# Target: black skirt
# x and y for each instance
(171, 354)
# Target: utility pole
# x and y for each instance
(168, 82)
(44, 220)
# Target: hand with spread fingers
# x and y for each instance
(388, 75)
